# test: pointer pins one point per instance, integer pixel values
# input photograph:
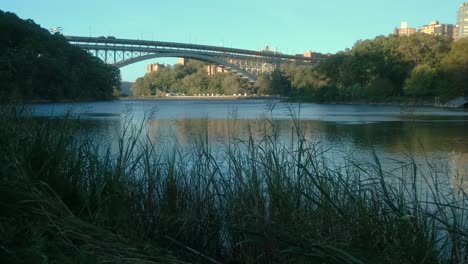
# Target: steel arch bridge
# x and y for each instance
(248, 64)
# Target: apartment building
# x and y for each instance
(463, 21)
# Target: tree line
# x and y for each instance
(417, 66)
(36, 65)
(420, 65)
(188, 79)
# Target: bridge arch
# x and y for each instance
(200, 57)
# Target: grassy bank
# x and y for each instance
(64, 199)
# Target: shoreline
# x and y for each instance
(404, 103)
(411, 103)
(214, 97)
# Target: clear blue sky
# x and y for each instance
(291, 26)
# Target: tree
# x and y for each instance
(455, 69)
(264, 84)
(231, 84)
(387, 61)
(37, 65)
(422, 81)
(140, 88)
(379, 87)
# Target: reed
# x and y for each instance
(68, 199)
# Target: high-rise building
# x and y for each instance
(463, 21)
(444, 30)
(404, 30)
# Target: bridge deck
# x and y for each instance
(106, 43)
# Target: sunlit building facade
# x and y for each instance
(153, 67)
(212, 69)
(437, 29)
(183, 61)
(404, 30)
(463, 21)
(429, 29)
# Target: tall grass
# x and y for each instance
(65, 199)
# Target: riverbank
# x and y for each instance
(208, 97)
(69, 200)
(397, 101)
(391, 101)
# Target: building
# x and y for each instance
(153, 67)
(463, 21)
(444, 30)
(404, 30)
(429, 29)
(308, 54)
(437, 29)
(311, 54)
(212, 69)
(317, 55)
(183, 61)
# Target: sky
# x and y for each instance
(290, 26)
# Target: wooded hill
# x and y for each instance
(36, 65)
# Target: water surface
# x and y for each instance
(425, 134)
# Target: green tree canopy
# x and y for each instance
(454, 67)
(37, 65)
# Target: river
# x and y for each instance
(428, 135)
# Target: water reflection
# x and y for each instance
(425, 143)
(394, 137)
(425, 134)
(459, 171)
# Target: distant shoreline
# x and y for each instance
(286, 99)
(412, 103)
(214, 97)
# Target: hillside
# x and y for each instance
(35, 65)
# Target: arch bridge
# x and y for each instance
(248, 64)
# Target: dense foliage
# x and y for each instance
(420, 66)
(386, 67)
(188, 79)
(37, 65)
